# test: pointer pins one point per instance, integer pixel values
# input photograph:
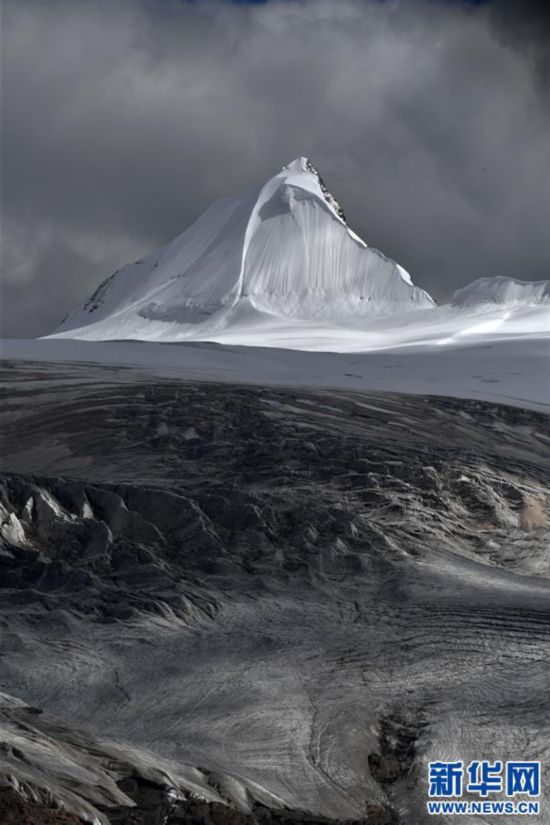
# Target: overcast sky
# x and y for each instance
(124, 119)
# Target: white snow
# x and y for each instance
(11, 528)
(513, 372)
(504, 292)
(279, 267)
(282, 250)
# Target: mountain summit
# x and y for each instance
(282, 250)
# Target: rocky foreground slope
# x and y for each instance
(242, 604)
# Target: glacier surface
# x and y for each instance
(278, 596)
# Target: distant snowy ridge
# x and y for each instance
(502, 291)
(283, 250)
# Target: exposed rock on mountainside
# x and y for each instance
(329, 197)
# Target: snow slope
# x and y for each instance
(502, 291)
(512, 372)
(284, 250)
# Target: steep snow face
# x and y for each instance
(284, 250)
(302, 260)
(502, 291)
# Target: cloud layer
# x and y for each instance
(123, 121)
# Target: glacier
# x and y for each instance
(278, 600)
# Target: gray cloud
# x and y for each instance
(525, 25)
(122, 121)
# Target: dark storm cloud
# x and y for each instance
(122, 121)
(525, 25)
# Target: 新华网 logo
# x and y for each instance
(482, 781)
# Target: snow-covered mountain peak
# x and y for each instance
(298, 165)
(294, 172)
(283, 250)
